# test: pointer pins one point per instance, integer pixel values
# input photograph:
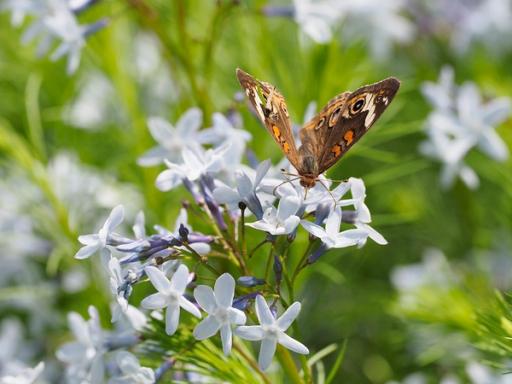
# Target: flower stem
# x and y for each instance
(286, 361)
(251, 362)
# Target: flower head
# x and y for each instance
(172, 140)
(218, 303)
(130, 370)
(170, 296)
(282, 221)
(272, 331)
(98, 241)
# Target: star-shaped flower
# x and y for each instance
(282, 221)
(196, 162)
(98, 241)
(218, 303)
(331, 235)
(169, 296)
(245, 190)
(130, 370)
(172, 139)
(272, 331)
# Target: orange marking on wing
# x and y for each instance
(336, 150)
(349, 137)
(277, 132)
(286, 147)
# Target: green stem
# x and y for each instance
(35, 127)
(202, 259)
(251, 362)
(288, 365)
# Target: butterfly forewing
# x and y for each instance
(271, 109)
(345, 123)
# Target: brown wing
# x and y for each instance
(271, 109)
(315, 132)
(347, 118)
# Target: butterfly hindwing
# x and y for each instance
(345, 122)
(271, 109)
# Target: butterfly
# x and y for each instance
(329, 134)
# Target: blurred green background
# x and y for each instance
(192, 50)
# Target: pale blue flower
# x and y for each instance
(84, 357)
(172, 140)
(170, 296)
(462, 121)
(24, 375)
(331, 235)
(245, 190)
(271, 331)
(98, 241)
(218, 303)
(130, 370)
(196, 162)
(280, 221)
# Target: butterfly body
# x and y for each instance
(329, 134)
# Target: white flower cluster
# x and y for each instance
(54, 20)
(462, 121)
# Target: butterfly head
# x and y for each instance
(308, 181)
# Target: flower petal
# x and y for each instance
(292, 344)
(265, 317)
(226, 195)
(86, 251)
(225, 290)
(227, 338)
(244, 185)
(287, 207)
(312, 228)
(289, 316)
(190, 121)
(160, 129)
(179, 280)
(250, 332)
(267, 351)
(206, 328)
(189, 307)
(205, 298)
(115, 218)
(158, 279)
(168, 179)
(236, 316)
(154, 301)
(261, 171)
(290, 224)
(172, 318)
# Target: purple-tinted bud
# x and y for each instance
(250, 281)
(183, 231)
(254, 205)
(193, 191)
(321, 213)
(251, 158)
(316, 255)
(243, 302)
(212, 204)
(273, 310)
(199, 238)
(279, 11)
(349, 217)
(278, 268)
(163, 368)
(96, 26)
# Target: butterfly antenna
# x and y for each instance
(284, 182)
(328, 191)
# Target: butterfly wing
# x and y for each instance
(271, 109)
(346, 118)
